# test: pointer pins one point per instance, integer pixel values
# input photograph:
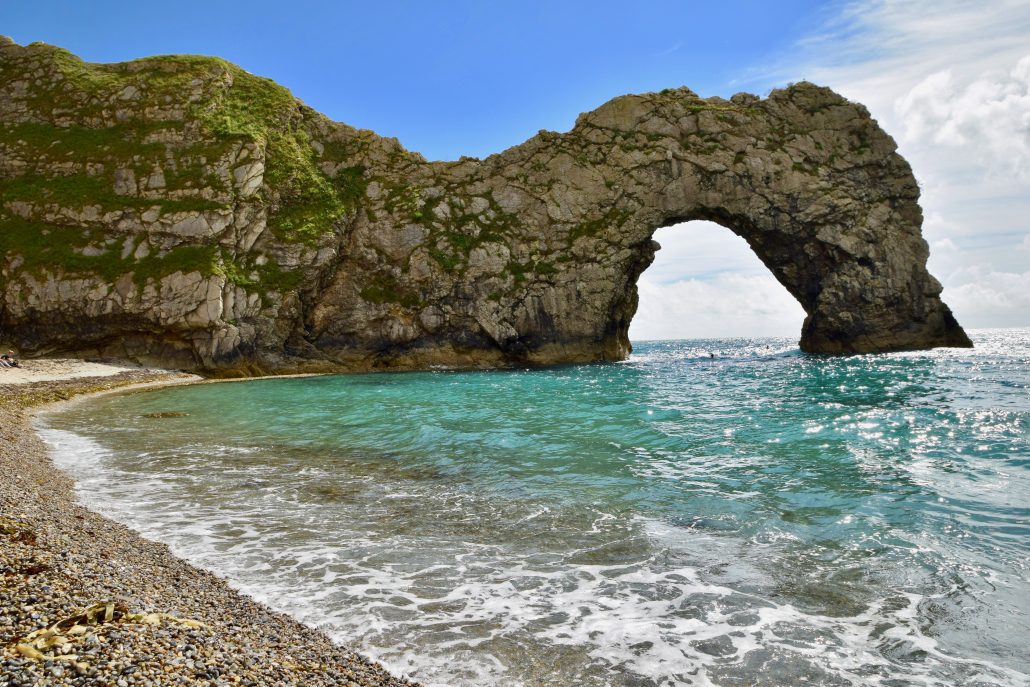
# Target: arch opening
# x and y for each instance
(706, 282)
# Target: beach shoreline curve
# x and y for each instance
(87, 600)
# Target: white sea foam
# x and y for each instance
(464, 621)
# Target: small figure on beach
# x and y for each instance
(8, 360)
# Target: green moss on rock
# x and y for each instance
(83, 144)
(82, 190)
(47, 249)
(115, 104)
(384, 288)
(305, 202)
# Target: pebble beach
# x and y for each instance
(86, 601)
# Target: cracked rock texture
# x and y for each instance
(179, 210)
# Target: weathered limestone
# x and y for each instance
(210, 249)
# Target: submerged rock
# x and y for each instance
(180, 210)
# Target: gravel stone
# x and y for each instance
(57, 559)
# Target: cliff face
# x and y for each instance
(180, 210)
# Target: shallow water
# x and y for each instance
(763, 517)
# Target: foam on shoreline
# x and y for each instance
(64, 558)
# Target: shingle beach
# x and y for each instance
(86, 601)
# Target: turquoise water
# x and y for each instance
(763, 517)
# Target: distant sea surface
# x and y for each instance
(762, 517)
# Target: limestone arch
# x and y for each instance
(861, 291)
(557, 231)
(811, 183)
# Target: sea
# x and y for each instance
(708, 512)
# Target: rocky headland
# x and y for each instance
(179, 210)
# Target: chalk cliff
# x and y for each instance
(180, 210)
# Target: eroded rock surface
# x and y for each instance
(180, 210)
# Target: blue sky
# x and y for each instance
(949, 79)
(449, 78)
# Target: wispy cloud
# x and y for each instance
(950, 80)
(881, 49)
(670, 50)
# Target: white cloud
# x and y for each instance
(670, 50)
(877, 51)
(706, 282)
(991, 299)
(700, 250)
(727, 305)
(988, 117)
(950, 80)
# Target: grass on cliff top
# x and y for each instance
(83, 144)
(306, 203)
(81, 189)
(229, 102)
(44, 249)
